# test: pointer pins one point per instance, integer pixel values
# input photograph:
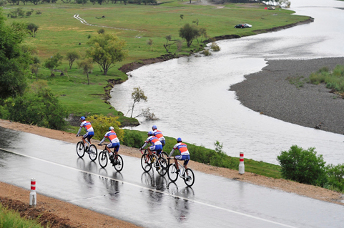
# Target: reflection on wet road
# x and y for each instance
(148, 199)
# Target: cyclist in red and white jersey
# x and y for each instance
(89, 131)
(159, 135)
(184, 153)
(114, 142)
(155, 144)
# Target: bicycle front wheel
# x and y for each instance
(103, 159)
(118, 163)
(92, 153)
(146, 162)
(162, 166)
(172, 172)
(189, 178)
(80, 149)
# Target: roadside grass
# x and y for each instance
(332, 79)
(10, 218)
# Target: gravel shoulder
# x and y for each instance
(62, 214)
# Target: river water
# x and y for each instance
(191, 96)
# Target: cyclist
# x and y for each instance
(184, 153)
(156, 145)
(114, 142)
(159, 135)
(89, 131)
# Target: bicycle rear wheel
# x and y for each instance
(162, 166)
(118, 163)
(80, 149)
(189, 178)
(103, 159)
(92, 153)
(146, 162)
(172, 172)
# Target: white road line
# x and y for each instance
(151, 189)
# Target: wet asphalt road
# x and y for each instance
(148, 200)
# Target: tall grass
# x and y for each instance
(333, 79)
(10, 219)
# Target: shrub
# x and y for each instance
(303, 166)
(215, 47)
(41, 108)
(101, 124)
(206, 52)
(335, 177)
(132, 139)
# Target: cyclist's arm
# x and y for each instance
(171, 153)
(102, 141)
(144, 145)
(79, 130)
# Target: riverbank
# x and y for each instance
(271, 93)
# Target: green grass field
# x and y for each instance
(60, 32)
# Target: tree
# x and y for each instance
(189, 33)
(137, 95)
(106, 50)
(14, 62)
(87, 67)
(71, 57)
(53, 62)
(32, 29)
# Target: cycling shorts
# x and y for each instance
(113, 145)
(186, 158)
(88, 135)
(157, 148)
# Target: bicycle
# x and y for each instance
(186, 174)
(159, 162)
(81, 150)
(117, 161)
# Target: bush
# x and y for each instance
(303, 166)
(41, 108)
(335, 177)
(102, 123)
(215, 47)
(133, 139)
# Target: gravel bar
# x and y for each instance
(271, 93)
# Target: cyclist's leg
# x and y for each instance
(116, 148)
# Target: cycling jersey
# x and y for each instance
(155, 143)
(160, 136)
(182, 147)
(87, 125)
(112, 136)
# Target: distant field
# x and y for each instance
(60, 32)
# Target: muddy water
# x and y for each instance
(191, 99)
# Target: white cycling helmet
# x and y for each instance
(111, 128)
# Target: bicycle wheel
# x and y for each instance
(92, 153)
(118, 163)
(103, 159)
(80, 149)
(189, 178)
(164, 155)
(146, 163)
(162, 169)
(172, 172)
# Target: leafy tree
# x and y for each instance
(32, 28)
(101, 31)
(53, 62)
(106, 50)
(14, 62)
(336, 177)
(303, 166)
(41, 108)
(137, 95)
(189, 33)
(87, 67)
(71, 57)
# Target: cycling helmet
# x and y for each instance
(154, 127)
(82, 118)
(179, 139)
(150, 133)
(111, 128)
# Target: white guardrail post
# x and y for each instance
(241, 164)
(33, 197)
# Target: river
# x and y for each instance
(191, 96)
